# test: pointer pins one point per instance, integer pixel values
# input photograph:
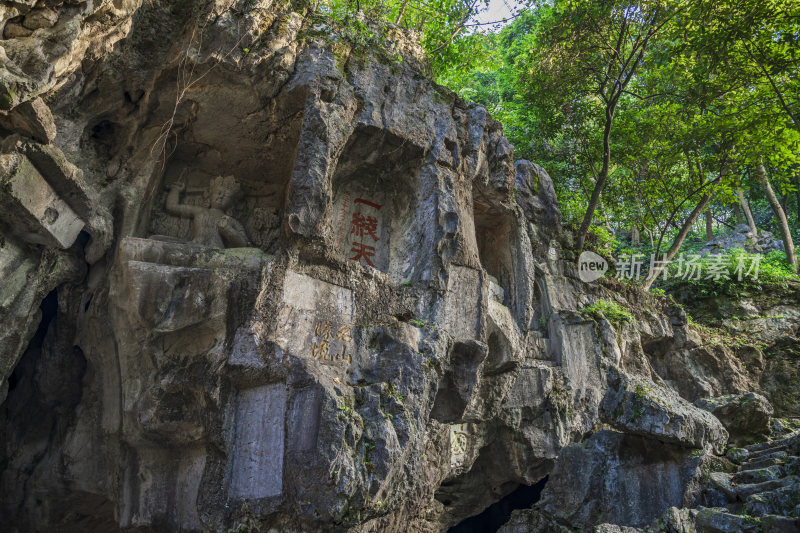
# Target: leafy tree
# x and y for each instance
(587, 54)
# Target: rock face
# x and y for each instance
(640, 407)
(617, 479)
(773, 355)
(745, 416)
(612, 484)
(314, 291)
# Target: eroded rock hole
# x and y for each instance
(495, 236)
(103, 135)
(49, 308)
(497, 514)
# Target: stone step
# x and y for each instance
(780, 524)
(746, 490)
(759, 475)
(774, 458)
(761, 448)
(722, 482)
(719, 520)
(782, 501)
(766, 452)
(737, 455)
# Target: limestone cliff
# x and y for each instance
(256, 277)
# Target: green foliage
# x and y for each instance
(247, 524)
(611, 311)
(434, 23)
(605, 242)
(773, 270)
(394, 393)
(639, 401)
(715, 92)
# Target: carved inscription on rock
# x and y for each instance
(362, 227)
(316, 319)
(258, 455)
(330, 343)
(459, 444)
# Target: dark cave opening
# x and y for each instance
(49, 307)
(497, 514)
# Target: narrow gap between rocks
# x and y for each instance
(49, 307)
(497, 514)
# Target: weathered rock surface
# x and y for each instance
(745, 416)
(717, 499)
(619, 479)
(32, 119)
(641, 407)
(766, 324)
(313, 292)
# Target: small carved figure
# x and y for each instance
(210, 225)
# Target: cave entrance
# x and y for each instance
(49, 308)
(497, 514)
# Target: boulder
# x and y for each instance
(641, 407)
(737, 455)
(745, 416)
(621, 479)
(676, 520)
(15, 30)
(40, 18)
(32, 209)
(742, 238)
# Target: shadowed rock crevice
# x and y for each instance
(496, 235)
(44, 390)
(497, 514)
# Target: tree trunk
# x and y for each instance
(601, 179)
(709, 225)
(747, 213)
(401, 13)
(634, 235)
(788, 243)
(737, 212)
(679, 238)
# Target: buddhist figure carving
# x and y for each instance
(211, 225)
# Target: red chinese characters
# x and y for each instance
(364, 226)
